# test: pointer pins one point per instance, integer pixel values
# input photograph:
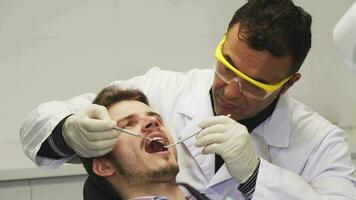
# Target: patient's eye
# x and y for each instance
(126, 124)
(129, 124)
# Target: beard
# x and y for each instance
(158, 175)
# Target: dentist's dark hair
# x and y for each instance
(276, 26)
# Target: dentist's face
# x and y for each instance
(258, 65)
(138, 157)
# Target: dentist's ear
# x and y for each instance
(290, 82)
(103, 167)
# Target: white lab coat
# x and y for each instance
(303, 156)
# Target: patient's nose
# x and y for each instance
(150, 124)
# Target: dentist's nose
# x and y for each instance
(232, 90)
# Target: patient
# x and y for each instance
(137, 168)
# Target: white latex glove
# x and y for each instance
(226, 137)
(91, 133)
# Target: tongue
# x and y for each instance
(155, 146)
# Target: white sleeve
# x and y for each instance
(43, 119)
(327, 175)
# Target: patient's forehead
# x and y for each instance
(125, 108)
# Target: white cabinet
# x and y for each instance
(68, 188)
(354, 162)
(55, 188)
(20, 179)
(15, 190)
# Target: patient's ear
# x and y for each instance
(103, 167)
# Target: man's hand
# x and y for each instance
(91, 133)
(226, 137)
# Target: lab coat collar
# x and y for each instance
(195, 112)
(193, 109)
(276, 129)
(221, 175)
(204, 163)
(186, 107)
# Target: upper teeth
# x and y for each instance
(160, 139)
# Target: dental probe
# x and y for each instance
(186, 138)
(183, 139)
(132, 133)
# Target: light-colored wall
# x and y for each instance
(56, 49)
(327, 85)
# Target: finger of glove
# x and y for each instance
(210, 139)
(214, 129)
(95, 125)
(100, 144)
(213, 148)
(102, 152)
(97, 112)
(90, 154)
(214, 120)
(102, 135)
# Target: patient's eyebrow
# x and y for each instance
(151, 113)
(125, 118)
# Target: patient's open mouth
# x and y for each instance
(156, 145)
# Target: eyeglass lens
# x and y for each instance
(247, 88)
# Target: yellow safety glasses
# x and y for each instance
(248, 86)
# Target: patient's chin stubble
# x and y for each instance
(157, 175)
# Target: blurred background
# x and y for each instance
(57, 49)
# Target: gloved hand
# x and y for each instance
(226, 137)
(91, 133)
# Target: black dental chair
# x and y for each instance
(98, 189)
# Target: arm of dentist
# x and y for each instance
(327, 178)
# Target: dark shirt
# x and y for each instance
(97, 188)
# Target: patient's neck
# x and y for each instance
(167, 188)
